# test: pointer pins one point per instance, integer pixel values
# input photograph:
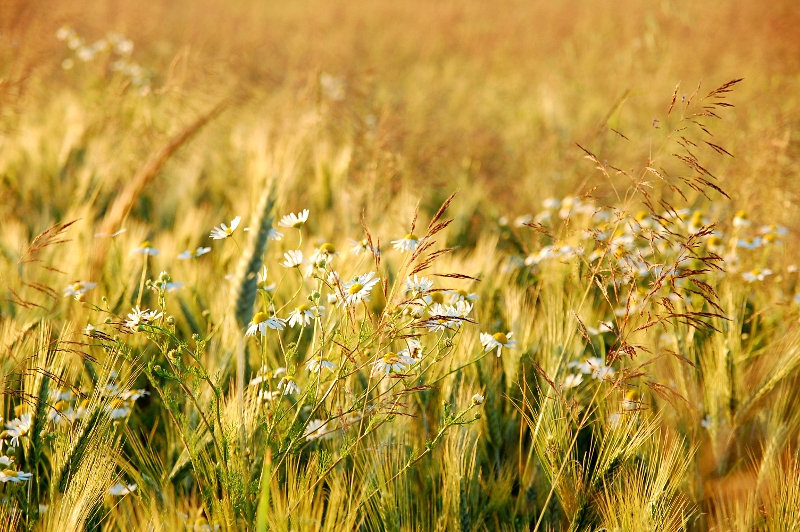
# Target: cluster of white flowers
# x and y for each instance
(113, 44)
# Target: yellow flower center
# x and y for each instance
(714, 241)
(437, 297)
(390, 358)
(641, 215)
(146, 244)
(632, 395)
(77, 286)
(769, 237)
(228, 230)
(61, 406)
(500, 337)
(742, 215)
(10, 473)
(328, 248)
(462, 293)
(755, 272)
(355, 288)
(260, 317)
(298, 224)
(303, 308)
(411, 236)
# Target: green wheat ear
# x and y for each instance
(251, 261)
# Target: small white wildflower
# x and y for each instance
(139, 316)
(391, 363)
(294, 258)
(17, 428)
(78, 288)
(478, 399)
(572, 381)
(261, 281)
(410, 242)
(359, 288)
(145, 248)
(223, 231)
(261, 322)
(414, 350)
(118, 490)
(741, 219)
(294, 220)
(317, 429)
(188, 254)
(498, 340)
(288, 385)
(304, 315)
(318, 363)
(417, 285)
(757, 274)
(750, 243)
(462, 295)
(361, 246)
(9, 475)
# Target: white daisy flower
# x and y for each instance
(360, 246)
(417, 285)
(414, 350)
(478, 399)
(447, 316)
(294, 220)
(265, 374)
(261, 322)
(261, 281)
(139, 316)
(118, 490)
(462, 295)
(594, 366)
(78, 288)
(741, 219)
(288, 385)
(274, 234)
(17, 428)
(317, 429)
(408, 243)
(304, 315)
(269, 396)
(756, 275)
(223, 231)
(294, 258)
(391, 363)
(188, 254)
(750, 242)
(359, 288)
(9, 475)
(118, 409)
(145, 248)
(572, 381)
(7, 461)
(498, 340)
(318, 363)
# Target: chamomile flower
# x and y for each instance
(294, 258)
(317, 429)
(391, 363)
(78, 288)
(360, 246)
(414, 350)
(139, 316)
(757, 274)
(359, 288)
(417, 285)
(9, 475)
(741, 219)
(750, 243)
(294, 220)
(447, 316)
(274, 234)
(7, 461)
(118, 489)
(462, 295)
(261, 281)
(261, 322)
(321, 258)
(188, 254)
(145, 248)
(410, 242)
(632, 400)
(572, 381)
(18, 427)
(265, 374)
(318, 363)
(594, 366)
(498, 340)
(478, 399)
(224, 231)
(288, 385)
(304, 315)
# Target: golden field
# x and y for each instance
(546, 278)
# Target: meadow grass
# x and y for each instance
(452, 266)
